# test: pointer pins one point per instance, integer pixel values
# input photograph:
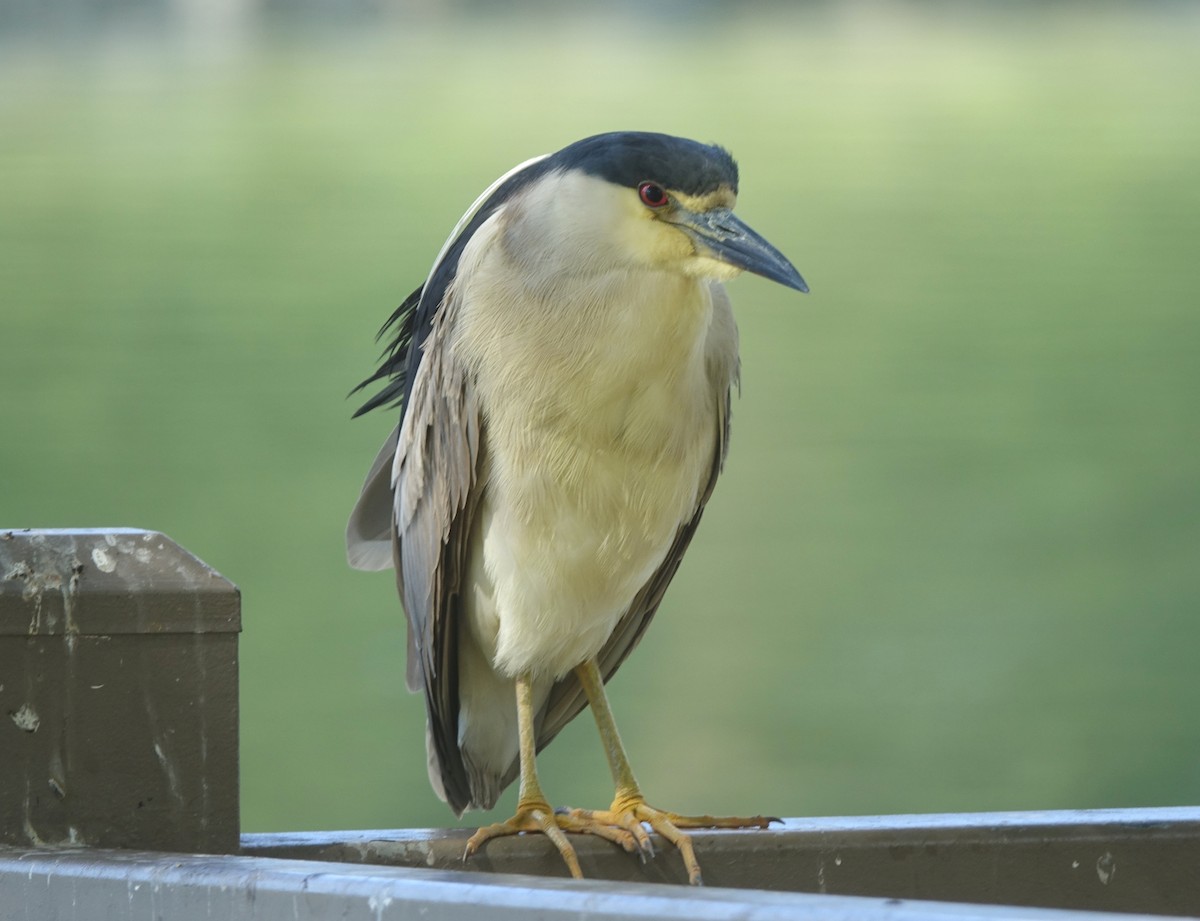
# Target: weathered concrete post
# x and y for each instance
(118, 693)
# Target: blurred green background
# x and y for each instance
(954, 562)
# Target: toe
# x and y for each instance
(662, 824)
(712, 821)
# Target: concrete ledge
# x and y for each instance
(118, 693)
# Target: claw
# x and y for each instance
(529, 817)
(623, 829)
(621, 824)
(630, 811)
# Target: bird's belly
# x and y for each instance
(588, 510)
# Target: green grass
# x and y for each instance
(954, 563)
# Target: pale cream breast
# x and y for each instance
(601, 421)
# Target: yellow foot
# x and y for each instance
(536, 816)
(629, 812)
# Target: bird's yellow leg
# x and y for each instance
(534, 813)
(629, 807)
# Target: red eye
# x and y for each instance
(653, 194)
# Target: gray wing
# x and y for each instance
(369, 531)
(436, 494)
(566, 698)
(422, 493)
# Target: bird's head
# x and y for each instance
(611, 202)
(657, 201)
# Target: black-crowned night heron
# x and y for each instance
(564, 375)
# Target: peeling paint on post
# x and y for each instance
(118, 688)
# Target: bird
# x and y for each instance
(564, 378)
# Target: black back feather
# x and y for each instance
(393, 363)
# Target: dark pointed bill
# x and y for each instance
(728, 238)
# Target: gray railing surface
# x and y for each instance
(1136, 860)
(119, 798)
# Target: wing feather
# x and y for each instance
(436, 490)
(369, 530)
